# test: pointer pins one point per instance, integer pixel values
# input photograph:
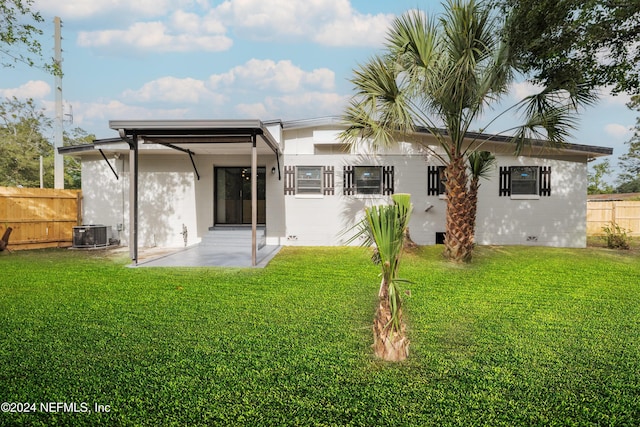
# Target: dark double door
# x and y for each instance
(233, 195)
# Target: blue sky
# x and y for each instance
(266, 59)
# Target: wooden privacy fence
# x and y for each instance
(40, 218)
(624, 213)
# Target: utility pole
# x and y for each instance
(58, 161)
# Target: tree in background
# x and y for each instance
(19, 34)
(23, 141)
(597, 184)
(629, 178)
(632, 186)
(72, 172)
(565, 43)
(22, 130)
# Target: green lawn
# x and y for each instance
(523, 336)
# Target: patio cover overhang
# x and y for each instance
(193, 137)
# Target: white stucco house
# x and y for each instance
(296, 181)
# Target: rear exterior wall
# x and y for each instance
(555, 220)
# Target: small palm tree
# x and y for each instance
(481, 164)
(385, 226)
(444, 74)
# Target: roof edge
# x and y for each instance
(591, 149)
(568, 146)
(185, 124)
(97, 144)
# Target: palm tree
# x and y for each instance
(385, 226)
(481, 163)
(441, 76)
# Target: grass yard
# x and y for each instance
(523, 336)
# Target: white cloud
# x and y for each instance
(618, 130)
(94, 116)
(523, 89)
(173, 90)
(303, 105)
(621, 99)
(354, 30)
(183, 32)
(255, 76)
(219, 80)
(318, 102)
(328, 22)
(196, 25)
(257, 109)
(82, 9)
(281, 76)
(36, 89)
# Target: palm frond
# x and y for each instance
(380, 107)
(481, 164)
(549, 115)
(363, 127)
(414, 42)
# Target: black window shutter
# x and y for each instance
(347, 180)
(328, 184)
(289, 180)
(505, 181)
(545, 180)
(387, 180)
(433, 185)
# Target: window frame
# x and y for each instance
(516, 177)
(358, 188)
(310, 190)
(386, 186)
(542, 187)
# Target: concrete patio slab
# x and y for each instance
(211, 256)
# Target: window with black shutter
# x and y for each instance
(308, 180)
(368, 180)
(525, 181)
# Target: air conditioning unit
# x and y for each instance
(91, 236)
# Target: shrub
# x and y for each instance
(616, 237)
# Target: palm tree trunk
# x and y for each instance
(459, 231)
(473, 209)
(388, 344)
